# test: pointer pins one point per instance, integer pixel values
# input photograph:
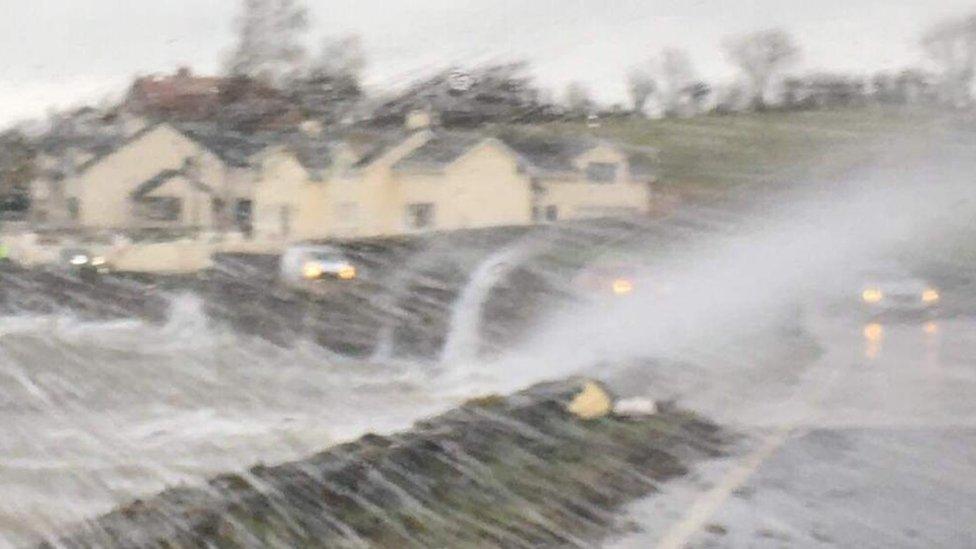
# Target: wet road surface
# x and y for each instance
(876, 448)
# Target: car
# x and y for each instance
(899, 296)
(617, 279)
(316, 268)
(605, 280)
(83, 262)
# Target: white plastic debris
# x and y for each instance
(635, 407)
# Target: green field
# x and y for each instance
(715, 152)
(705, 156)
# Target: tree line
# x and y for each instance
(327, 83)
(764, 58)
(272, 79)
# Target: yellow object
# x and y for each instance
(873, 332)
(622, 286)
(872, 295)
(930, 296)
(591, 403)
(347, 273)
(311, 270)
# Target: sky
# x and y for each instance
(64, 53)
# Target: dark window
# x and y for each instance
(243, 215)
(536, 213)
(217, 213)
(537, 186)
(601, 172)
(552, 213)
(74, 209)
(420, 216)
(161, 208)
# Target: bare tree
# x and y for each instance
(340, 57)
(697, 94)
(331, 88)
(675, 74)
(16, 171)
(269, 40)
(951, 45)
(578, 100)
(641, 86)
(761, 56)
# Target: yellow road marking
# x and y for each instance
(705, 506)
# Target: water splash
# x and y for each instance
(99, 412)
(464, 335)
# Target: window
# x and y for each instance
(243, 215)
(217, 207)
(420, 216)
(161, 208)
(552, 213)
(601, 172)
(536, 213)
(74, 209)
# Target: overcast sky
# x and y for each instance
(68, 52)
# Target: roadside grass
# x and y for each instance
(714, 152)
(708, 156)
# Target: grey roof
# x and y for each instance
(555, 153)
(314, 155)
(442, 149)
(108, 150)
(371, 145)
(314, 152)
(546, 151)
(55, 144)
(160, 179)
(233, 148)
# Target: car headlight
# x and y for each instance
(312, 270)
(872, 295)
(873, 332)
(79, 259)
(930, 296)
(622, 286)
(346, 272)
(98, 261)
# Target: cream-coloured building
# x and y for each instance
(162, 177)
(154, 178)
(415, 182)
(576, 178)
(290, 187)
(173, 199)
(459, 181)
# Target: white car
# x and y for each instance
(311, 267)
(906, 295)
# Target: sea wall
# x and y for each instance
(549, 466)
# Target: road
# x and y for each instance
(876, 448)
